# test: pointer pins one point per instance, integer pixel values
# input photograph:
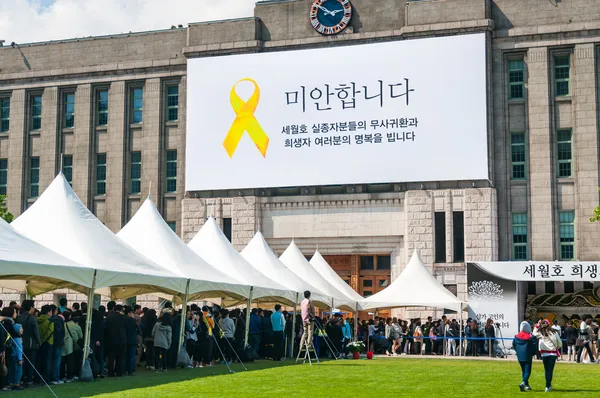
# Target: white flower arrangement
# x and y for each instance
(486, 290)
(356, 346)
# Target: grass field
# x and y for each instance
(379, 377)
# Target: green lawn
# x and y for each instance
(383, 377)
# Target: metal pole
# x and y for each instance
(183, 316)
(88, 321)
(247, 332)
(294, 326)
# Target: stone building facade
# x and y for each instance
(542, 78)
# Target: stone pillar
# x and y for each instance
(481, 224)
(49, 155)
(418, 210)
(193, 217)
(82, 153)
(540, 165)
(448, 209)
(585, 150)
(18, 155)
(116, 188)
(152, 156)
(244, 220)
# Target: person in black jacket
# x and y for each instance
(132, 339)
(97, 338)
(31, 339)
(57, 346)
(571, 335)
(116, 335)
(3, 336)
(148, 322)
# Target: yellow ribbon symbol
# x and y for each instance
(245, 121)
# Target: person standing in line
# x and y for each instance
(346, 336)
(571, 335)
(117, 338)
(549, 346)
(46, 330)
(73, 334)
(524, 345)
(16, 360)
(227, 326)
(162, 333)
(255, 330)
(307, 311)
(31, 339)
(59, 342)
(132, 340)
(278, 324)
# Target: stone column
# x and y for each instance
(585, 151)
(244, 220)
(448, 209)
(481, 224)
(82, 153)
(152, 156)
(18, 155)
(49, 155)
(193, 217)
(540, 147)
(418, 210)
(116, 188)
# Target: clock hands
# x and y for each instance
(326, 11)
(335, 12)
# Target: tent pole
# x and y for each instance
(248, 309)
(183, 316)
(356, 323)
(460, 334)
(88, 321)
(294, 325)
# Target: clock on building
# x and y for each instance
(330, 17)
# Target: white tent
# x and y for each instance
(59, 221)
(415, 287)
(211, 244)
(148, 233)
(260, 256)
(22, 260)
(293, 258)
(320, 265)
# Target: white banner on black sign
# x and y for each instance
(529, 271)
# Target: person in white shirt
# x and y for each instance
(549, 344)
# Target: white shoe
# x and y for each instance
(548, 389)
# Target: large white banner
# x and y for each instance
(402, 111)
(529, 271)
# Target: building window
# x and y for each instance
(567, 234)
(348, 281)
(516, 78)
(69, 110)
(137, 105)
(67, 168)
(440, 237)
(384, 263)
(588, 285)
(172, 103)
(34, 177)
(562, 72)
(517, 156)
(549, 288)
(367, 283)
(452, 288)
(531, 288)
(564, 153)
(367, 293)
(367, 263)
(102, 108)
(4, 114)
(227, 228)
(458, 232)
(172, 225)
(3, 175)
(172, 171)
(36, 112)
(101, 174)
(569, 287)
(383, 283)
(519, 226)
(136, 172)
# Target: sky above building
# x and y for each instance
(25, 21)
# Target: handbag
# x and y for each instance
(579, 342)
(76, 344)
(3, 368)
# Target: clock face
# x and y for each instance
(330, 17)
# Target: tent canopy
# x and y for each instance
(148, 233)
(211, 244)
(25, 260)
(322, 267)
(415, 287)
(293, 258)
(61, 222)
(260, 256)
